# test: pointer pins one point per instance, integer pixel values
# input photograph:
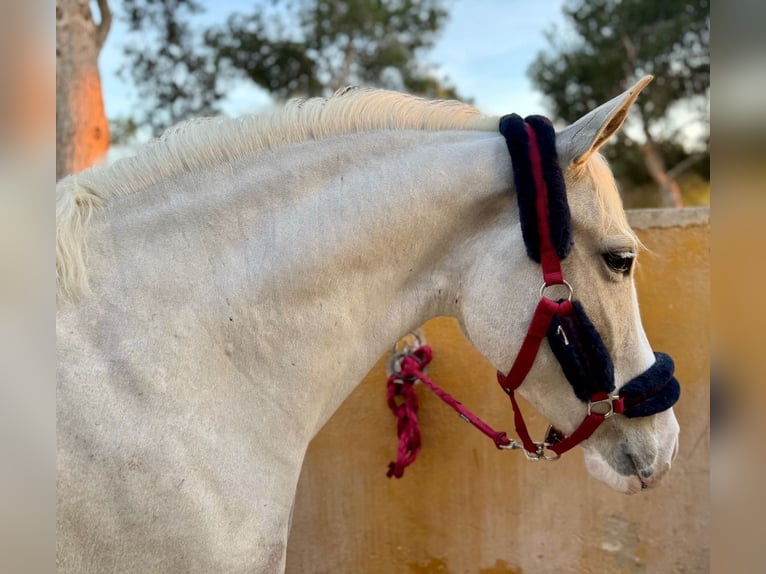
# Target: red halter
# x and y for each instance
(601, 405)
(651, 392)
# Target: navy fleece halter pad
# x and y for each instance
(513, 127)
(653, 391)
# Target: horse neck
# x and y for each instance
(380, 246)
(309, 261)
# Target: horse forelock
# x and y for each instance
(200, 143)
(610, 207)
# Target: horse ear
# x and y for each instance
(577, 142)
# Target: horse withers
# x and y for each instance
(204, 283)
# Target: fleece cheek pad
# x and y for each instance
(586, 363)
(581, 353)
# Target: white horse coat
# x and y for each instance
(222, 293)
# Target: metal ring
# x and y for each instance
(534, 457)
(564, 283)
(404, 347)
(555, 457)
(405, 344)
(394, 366)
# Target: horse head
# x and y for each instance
(629, 451)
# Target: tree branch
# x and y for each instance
(630, 65)
(105, 24)
(683, 165)
(644, 124)
(348, 57)
(630, 49)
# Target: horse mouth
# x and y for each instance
(635, 485)
(651, 477)
(639, 481)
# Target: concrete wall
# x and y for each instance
(466, 507)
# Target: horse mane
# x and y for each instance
(199, 143)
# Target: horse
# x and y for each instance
(223, 291)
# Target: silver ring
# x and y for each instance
(564, 283)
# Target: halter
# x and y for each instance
(575, 342)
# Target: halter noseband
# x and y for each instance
(546, 229)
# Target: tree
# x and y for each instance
(294, 48)
(612, 43)
(171, 67)
(82, 132)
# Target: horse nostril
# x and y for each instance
(647, 472)
(625, 462)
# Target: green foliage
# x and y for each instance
(123, 131)
(627, 162)
(174, 74)
(289, 48)
(609, 44)
(614, 42)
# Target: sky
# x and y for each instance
(485, 50)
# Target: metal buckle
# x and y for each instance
(608, 402)
(539, 453)
(564, 283)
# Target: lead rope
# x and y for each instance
(407, 369)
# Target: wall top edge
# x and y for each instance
(668, 217)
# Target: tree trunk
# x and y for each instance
(670, 193)
(82, 131)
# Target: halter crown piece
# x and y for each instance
(575, 342)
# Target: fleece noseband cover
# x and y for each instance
(653, 391)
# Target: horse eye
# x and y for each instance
(619, 262)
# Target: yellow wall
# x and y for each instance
(463, 506)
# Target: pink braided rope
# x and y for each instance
(402, 385)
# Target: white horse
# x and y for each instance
(222, 292)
